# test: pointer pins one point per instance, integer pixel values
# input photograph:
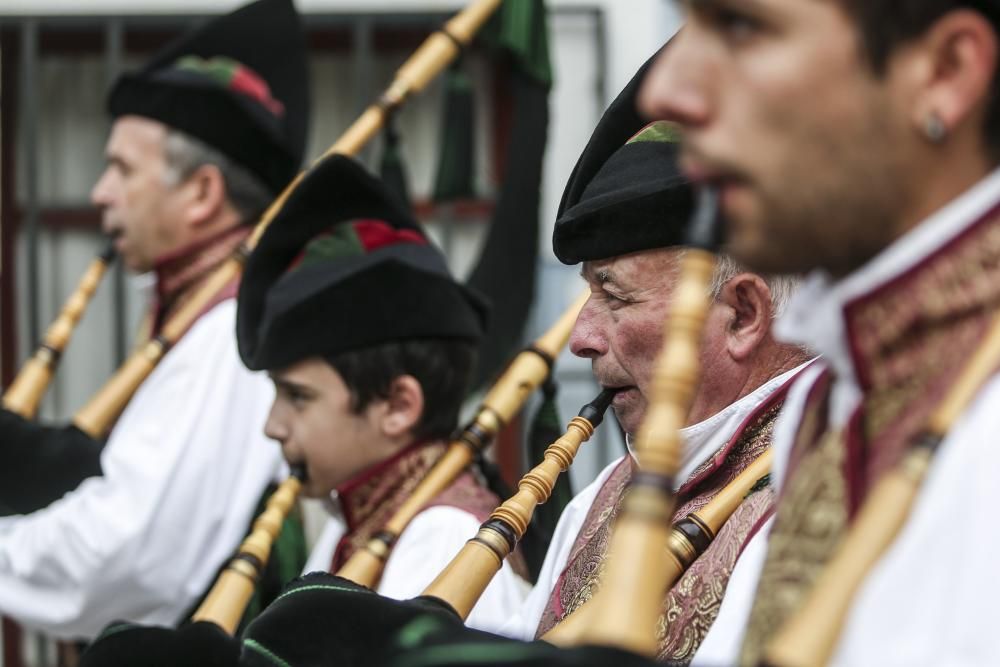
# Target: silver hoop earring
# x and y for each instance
(934, 128)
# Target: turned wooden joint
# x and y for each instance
(381, 543)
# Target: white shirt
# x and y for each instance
(423, 550)
(702, 440)
(183, 471)
(930, 600)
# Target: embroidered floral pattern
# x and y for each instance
(692, 604)
(909, 339)
(369, 501)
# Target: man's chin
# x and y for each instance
(630, 420)
(136, 265)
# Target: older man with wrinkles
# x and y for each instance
(623, 219)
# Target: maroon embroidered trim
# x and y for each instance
(372, 497)
(179, 274)
(910, 337)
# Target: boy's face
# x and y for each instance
(313, 421)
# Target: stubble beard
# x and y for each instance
(834, 215)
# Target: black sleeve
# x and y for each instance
(38, 463)
(200, 644)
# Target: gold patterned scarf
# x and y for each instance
(371, 498)
(908, 339)
(691, 606)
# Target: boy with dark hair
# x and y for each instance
(370, 344)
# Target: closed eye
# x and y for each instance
(293, 393)
(615, 300)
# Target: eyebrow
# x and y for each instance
(288, 384)
(596, 275)
(708, 5)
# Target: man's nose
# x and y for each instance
(588, 339)
(675, 87)
(100, 194)
(274, 427)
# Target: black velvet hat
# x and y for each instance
(626, 192)
(239, 83)
(345, 266)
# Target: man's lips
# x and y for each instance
(622, 393)
(117, 237)
(702, 171)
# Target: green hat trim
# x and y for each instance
(660, 130)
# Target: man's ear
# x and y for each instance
(749, 301)
(205, 195)
(403, 408)
(957, 68)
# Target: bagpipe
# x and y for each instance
(28, 388)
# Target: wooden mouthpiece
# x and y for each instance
(28, 388)
(809, 637)
(528, 370)
(466, 577)
(229, 597)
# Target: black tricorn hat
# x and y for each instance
(344, 266)
(239, 83)
(626, 192)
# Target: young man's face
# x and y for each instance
(780, 109)
(313, 421)
(140, 208)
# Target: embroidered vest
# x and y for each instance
(908, 339)
(690, 607)
(370, 499)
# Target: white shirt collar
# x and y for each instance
(705, 438)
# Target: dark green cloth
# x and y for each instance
(457, 155)
(392, 169)
(428, 641)
(520, 29)
(326, 620)
(39, 464)
(196, 645)
(323, 620)
(506, 270)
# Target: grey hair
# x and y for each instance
(781, 287)
(183, 154)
